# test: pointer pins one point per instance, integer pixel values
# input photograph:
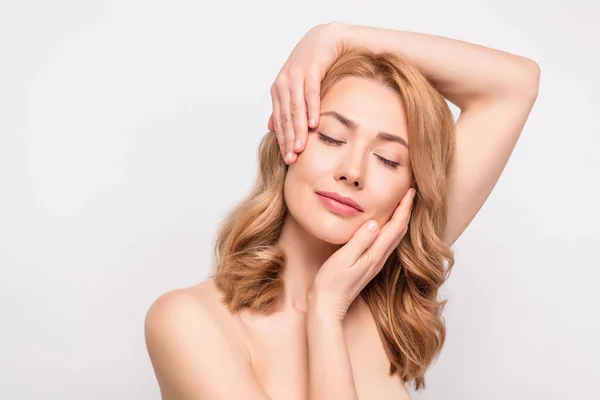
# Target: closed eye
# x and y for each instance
(388, 163)
(329, 140)
(332, 141)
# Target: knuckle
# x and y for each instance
(372, 260)
(374, 267)
(285, 118)
(294, 73)
(369, 258)
(281, 81)
(295, 108)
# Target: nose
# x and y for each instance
(350, 170)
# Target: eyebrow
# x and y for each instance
(348, 123)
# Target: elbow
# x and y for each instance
(530, 82)
(521, 83)
(517, 81)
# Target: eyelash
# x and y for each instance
(329, 140)
(334, 142)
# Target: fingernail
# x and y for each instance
(288, 157)
(298, 144)
(312, 122)
(372, 226)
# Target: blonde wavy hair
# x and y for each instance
(403, 297)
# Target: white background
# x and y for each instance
(128, 129)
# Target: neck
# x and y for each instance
(305, 254)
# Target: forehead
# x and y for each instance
(372, 105)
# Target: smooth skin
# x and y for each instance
(198, 352)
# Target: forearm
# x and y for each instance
(462, 72)
(330, 371)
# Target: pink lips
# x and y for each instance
(338, 204)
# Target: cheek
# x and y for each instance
(388, 200)
(312, 164)
(301, 178)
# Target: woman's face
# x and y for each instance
(359, 151)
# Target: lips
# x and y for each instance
(341, 199)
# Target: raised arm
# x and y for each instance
(494, 90)
(191, 358)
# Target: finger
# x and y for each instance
(298, 110)
(356, 246)
(312, 93)
(277, 126)
(286, 122)
(393, 231)
(389, 251)
(270, 125)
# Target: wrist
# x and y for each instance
(341, 33)
(349, 36)
(322, 324)
(325, 308)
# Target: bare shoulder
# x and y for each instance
(194, 348)
(195, 307)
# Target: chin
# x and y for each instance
(333, 238)
(329, 228)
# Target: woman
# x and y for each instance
(326, 277)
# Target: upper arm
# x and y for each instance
(486, 134)
(191, 357)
